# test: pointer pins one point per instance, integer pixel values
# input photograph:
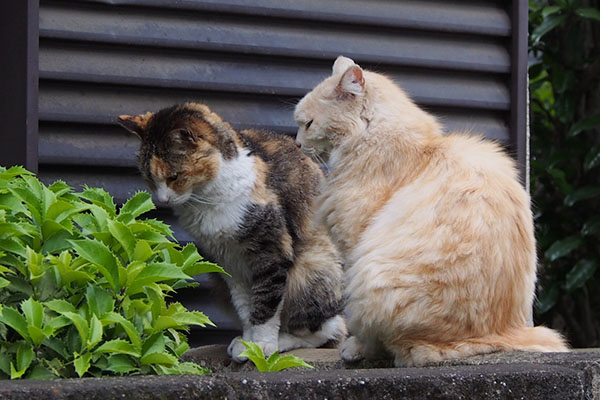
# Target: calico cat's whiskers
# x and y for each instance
(202, 200)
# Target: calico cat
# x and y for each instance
(247, 199)
(435, 230)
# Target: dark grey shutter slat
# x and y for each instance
(250, 61)
(130, 26)
(481, 17)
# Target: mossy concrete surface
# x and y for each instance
(574, 375)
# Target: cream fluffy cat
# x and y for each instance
(436, 231)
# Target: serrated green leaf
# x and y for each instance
(15, 320)
(255, 354)
(191, 368)
(584, 124)
(583, 193)
(97, 253)
(158, 358)
(39, 372)
(80, 324)
(4, 282)
(157, 226)
(128, 327)
(99, 300)
(118, 346)
(12, 246)
(57, 242)
(124, 236)
(204, 267)
(24, 358)
(154, 344)
(562, 247)
(60, 209)
(277, 363)
(55, 324)
(60, 188)
(82, 363)
(95, 334)
(181, 348)
(60, 306)
(58, 346)
(36, 334)
(180, 320)
(590, 13)
(580, 273)
(35, 264)
(140, 203)
(142, 251)
(100, 198)
(121, 364)
(17, 170)
(34, 312)
(154, 273)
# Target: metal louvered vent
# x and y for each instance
(250, 61)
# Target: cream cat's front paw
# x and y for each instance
(351, 350)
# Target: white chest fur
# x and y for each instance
(215, 211)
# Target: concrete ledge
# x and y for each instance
(573, 375)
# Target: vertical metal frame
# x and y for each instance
(518, 88)
(19, 83)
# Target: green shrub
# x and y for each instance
(565, 163)
(84, 285)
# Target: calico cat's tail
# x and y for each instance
(531, 339)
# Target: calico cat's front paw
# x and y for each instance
(236, 347)
(351, 350)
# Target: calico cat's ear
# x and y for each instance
(352, 81)
(341, 65)
(135, 124)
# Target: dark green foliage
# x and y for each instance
(565, 163)
(85, 285)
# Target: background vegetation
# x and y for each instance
(564, 77)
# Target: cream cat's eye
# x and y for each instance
(308, 124)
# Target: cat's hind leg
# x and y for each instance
(332, 330)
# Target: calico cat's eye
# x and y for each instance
(308, 124)
(172, 178)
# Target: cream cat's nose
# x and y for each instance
(298, 144)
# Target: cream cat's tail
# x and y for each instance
(535, 339)
(531, 339)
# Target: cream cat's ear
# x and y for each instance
(341, 65)
(135, 124)
(352, 81)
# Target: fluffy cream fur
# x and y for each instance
(436, 230)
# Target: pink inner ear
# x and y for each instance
(357, 76)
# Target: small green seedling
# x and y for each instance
(274, 363)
